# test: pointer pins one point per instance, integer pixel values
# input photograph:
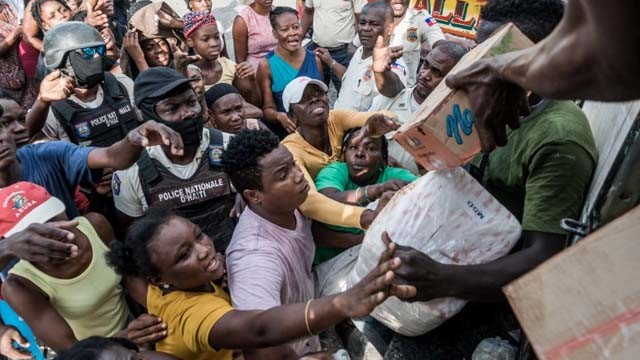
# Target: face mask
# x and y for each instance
(88, 72)
(190, 130)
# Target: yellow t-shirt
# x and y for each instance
(189, 316)
(312, 160)
(92, 303)
(228, 72)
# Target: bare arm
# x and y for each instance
(279, 325)
(240, 39)
(578, 60)
(30, 28)
(307, 20)
(33, 306)
(125, 152)
(264, 82)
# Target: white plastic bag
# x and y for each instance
(449, 216)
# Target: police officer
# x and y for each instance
(412, 29)
(193, 184)
(97, 110)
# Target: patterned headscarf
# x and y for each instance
(195, 19)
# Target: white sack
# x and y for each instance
(449, 216)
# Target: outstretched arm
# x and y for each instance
(578, 60)
(125, 152)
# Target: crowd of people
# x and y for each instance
(160, 200)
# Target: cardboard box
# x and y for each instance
(584, 303)
(441, 134)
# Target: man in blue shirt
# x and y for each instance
(60, 167)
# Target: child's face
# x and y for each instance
(206, 42)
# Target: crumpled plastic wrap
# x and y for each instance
(449, 216)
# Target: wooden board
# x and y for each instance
(584, 303)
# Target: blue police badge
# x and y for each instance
(412, 34)
(215, 155)
(82, 130)
(115, 184)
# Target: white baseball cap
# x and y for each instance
(292, 93)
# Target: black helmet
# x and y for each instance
(70, 35)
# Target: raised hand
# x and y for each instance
(56, 87)
(376, 287)
(96, 18)
(153, 133)
(244, 70)
(50, 242)
(495, 103)
(183, 59)
(376, 126)
(131, 45)
(383, 54)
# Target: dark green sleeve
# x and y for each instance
(558, 179)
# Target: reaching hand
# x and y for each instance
(183, 59)
(393, 185)
(146, 329)
(244, 70)
(153, 133)
(376, 287)
(422, 272)
(376, 126)
(56, 87)
(495, 103)
(289, 125)
(324, 55)
(40, 243)
(7, 336)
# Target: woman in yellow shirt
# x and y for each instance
(317, 143)
(184, 273)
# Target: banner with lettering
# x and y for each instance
(456, 17)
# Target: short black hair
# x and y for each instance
(452, 49)
(536, 19)
(131, 257)
(280, 10)
(240, 159)
(36, 10)
(349, 134)
(91, 348)
(387, 9)
(137, 6)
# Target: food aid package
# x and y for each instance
(449, 216)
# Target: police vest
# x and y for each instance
(205, 198)
(103, 126)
